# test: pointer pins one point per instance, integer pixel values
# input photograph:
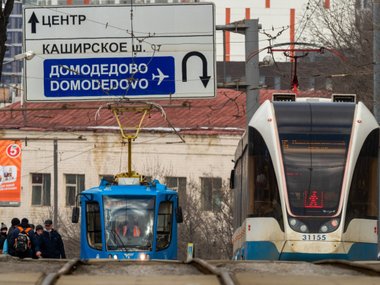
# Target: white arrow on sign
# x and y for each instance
(161, 76)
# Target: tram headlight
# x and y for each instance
(298, 226)
(144, 256)
(329, 226)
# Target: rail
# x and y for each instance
(204, 267)
(51, 278)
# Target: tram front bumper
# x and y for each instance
(318, 250)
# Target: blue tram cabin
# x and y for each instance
(127, 220)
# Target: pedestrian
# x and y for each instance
(52, 243)
(38, 235)
(24, 240)
(14, 223)
(39, 230)
(3, 236)
(136, 230)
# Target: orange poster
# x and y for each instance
(10, 172)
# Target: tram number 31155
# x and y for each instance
(314, 237)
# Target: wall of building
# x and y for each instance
(103, 154)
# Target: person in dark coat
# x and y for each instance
(14, 223)
(24, 227)
(52, 243)
(38, 234)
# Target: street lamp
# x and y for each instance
(28, 55)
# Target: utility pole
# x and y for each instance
(250, 29)
(4, 17)
(376, 58)
(55, 177)
(376, 95)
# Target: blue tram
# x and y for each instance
(128, 219)
(305, 181)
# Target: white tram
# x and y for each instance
(305, 181)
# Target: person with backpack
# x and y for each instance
(24, 240)
(10, 241)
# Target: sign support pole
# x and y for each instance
(55, 206)
(250, 29)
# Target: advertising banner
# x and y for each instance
(10, 173)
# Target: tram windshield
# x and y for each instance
(314, 143)
(129, 223)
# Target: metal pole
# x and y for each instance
(250, 29)
(55, 206)
(376, 93)
(252, 66)
(376, 58)
(224, 57)
(129, 157)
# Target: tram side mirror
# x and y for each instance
(178, 215)
(232, 179)
(75, 215)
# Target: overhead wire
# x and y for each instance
(307, 20)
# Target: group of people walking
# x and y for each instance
(24, 240)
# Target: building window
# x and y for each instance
(178, 184)
(74, 185)
(211, 198)
(365, 4)
(41, 184)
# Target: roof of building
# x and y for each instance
(224, 114)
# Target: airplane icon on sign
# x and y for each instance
(161, 76)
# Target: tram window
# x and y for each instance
(314, 150)
(94, 236)
(264, 199)
(164, 225)
(314, 166)
(128, 222)
(362, 200)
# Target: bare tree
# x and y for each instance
(210, 232)
(70, 232)
(346, 31)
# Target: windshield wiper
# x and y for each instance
(115, 234)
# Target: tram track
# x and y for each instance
(67, 268)
(371, 268)
(201, 266)
(223, 275)
(14, 271)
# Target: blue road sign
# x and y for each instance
(126, 76)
